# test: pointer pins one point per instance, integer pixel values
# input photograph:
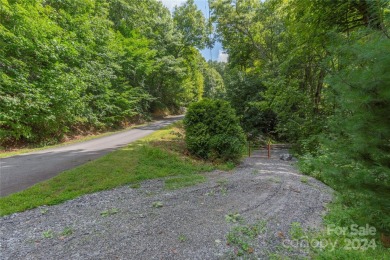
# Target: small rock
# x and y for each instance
(286, 157)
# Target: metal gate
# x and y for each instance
(267, 151)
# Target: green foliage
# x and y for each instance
(109, 212)
(189, 20)
(67, 231)
(244, 91)
(184, 181)
(213, 131)
(354, 154)
(214, 86)
(320, 67)
(182, 238)
(276, 66)
(69, 66)
(234, 218)
(342, 215)
(362, 93)
(243, 237)
(157, 204)
(48, 234)
(296, 231)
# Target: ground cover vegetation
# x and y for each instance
(315, 73)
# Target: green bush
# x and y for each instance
(213, 131)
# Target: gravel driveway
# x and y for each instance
(151, 222)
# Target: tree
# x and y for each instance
(214, 86)
(191, 23)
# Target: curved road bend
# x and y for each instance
(22, 171)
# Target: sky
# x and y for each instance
(216, 52)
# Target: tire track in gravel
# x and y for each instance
(191, 223)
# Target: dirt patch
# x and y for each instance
(249, 211)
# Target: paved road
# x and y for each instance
(22, 171)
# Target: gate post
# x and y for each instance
(269, 149)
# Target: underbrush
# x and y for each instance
(161, 154)
(345, 238)
(359, 215)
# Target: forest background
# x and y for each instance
(314, 73)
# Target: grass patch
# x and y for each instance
(234, 218)
(48, 234)
(296, 231)
(157, 204)
(182, 238)
(135, 185)
(109, 212)
(354, 207)
(275, 179)
(347, 245)
(161, 154)
(304, 179)
(243, 237)
(67, 231)
(184, 181)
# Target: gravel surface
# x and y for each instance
(151, 222)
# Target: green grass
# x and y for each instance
(304, 179)
(135, 185)
(184, 181)
(352, 205)
(243, 238)
(158, 155)
(67, 231)
(157, 204)
(296, 231)
(338, 215)
(182, 238)
(109, 212)
(48, 234)
(234, 218)
(275, 179)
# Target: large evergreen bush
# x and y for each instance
(213, 131)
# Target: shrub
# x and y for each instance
(213, 131)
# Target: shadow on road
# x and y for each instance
(160, 125)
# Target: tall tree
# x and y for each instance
(192, 24)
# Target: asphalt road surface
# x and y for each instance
(22, 171)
